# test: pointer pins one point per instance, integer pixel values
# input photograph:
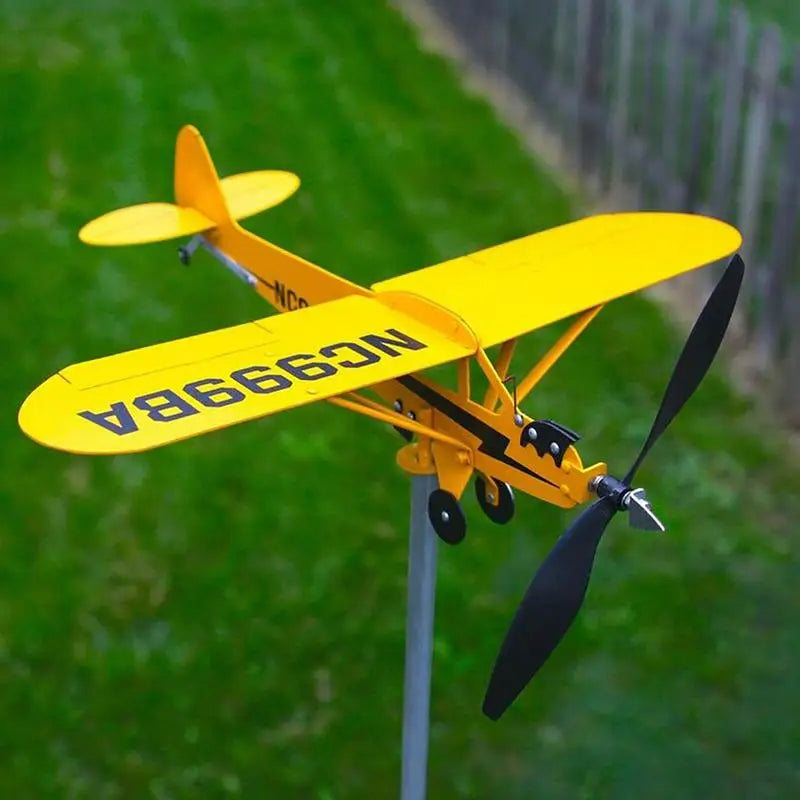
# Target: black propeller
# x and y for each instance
(555, 594)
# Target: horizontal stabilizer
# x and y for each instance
(248, 193)
(148, 222)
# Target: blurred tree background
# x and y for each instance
(225, 617)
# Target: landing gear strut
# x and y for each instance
(446, 516)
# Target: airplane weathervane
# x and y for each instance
(340, 340)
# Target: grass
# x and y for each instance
(225, 617)
(785, 13)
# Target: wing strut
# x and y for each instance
(542, 367)
(369, 408)
(503, 362)
(496, 374)
(496, 385)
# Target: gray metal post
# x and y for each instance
(419, 640)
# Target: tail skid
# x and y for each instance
(186, 251)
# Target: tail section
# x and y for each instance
(202, 201)
(206, 205)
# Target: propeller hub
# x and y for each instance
(634, 501)
(612, 488)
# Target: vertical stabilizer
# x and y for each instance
(196, 181)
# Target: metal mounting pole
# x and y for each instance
(419, 639)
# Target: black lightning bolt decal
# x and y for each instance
(493, 443)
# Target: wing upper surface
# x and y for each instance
(505, 291)
(155, 395)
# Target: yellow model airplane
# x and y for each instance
(341, 339)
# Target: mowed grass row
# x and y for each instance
(226, 616)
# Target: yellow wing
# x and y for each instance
(144, 398)
(508, 290)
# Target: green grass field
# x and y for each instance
(785, 13)
(225, 617)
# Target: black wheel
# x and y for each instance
(446, 516)
(504, 510)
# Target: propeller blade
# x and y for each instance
(547, 609)
(696, 356)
